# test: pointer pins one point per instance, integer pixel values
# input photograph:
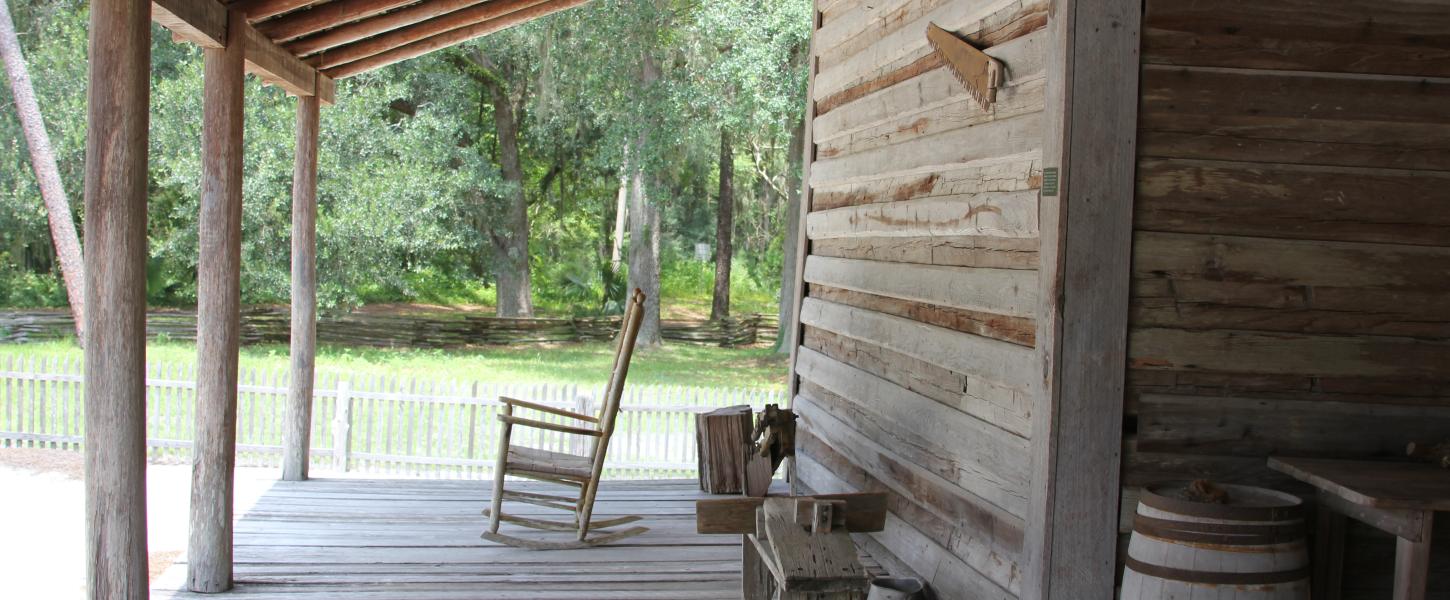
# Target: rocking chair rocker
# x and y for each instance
(581, 472)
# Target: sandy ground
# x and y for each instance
(42, 519)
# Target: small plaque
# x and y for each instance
(1049, 181)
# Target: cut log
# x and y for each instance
(723, 439)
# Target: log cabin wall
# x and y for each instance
(916, 358)
(1291, 264)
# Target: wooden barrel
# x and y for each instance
(1250, 548)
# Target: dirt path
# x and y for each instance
(42, 519)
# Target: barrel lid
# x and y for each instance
(1244, 502)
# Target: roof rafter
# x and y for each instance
(256, 10)
(204, 22)
(352, 32)
(325, 16)
(452, 37)
(392, 40)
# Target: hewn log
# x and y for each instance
(465, 17)
(332, 14)
(296, 438)
(209, 552)
(115, 350)
(453, 35)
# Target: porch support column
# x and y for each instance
(115, 266)
(296, 441)
(209, 553)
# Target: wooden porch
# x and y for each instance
(416, 539)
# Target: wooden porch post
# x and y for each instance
(209, 553)
(296, 440)
(1086, 219)
(115, 266)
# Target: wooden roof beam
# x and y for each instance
(204, 23)
(326, 16)
(352, 32)
(380, 44)
(451, 38)
(256, 10)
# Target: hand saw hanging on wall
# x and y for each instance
(981, 74)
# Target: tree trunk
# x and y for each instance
(789, 248)
(644, 227)
(42, 159)
(621, 212)
(724, 229)
(510, 236)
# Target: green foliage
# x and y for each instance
(410, 181)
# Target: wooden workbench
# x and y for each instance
(1396, 497)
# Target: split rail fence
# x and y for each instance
(372, 424)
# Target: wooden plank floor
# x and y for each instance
(418, 539)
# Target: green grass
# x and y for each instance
(587, 363)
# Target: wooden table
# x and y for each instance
(1397, 497)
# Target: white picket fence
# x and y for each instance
(389, 425)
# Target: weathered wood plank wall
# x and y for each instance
(1292, 259)
(916, 358)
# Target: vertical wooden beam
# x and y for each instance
(296, 439)
(117, 119)
(218, 312)
(1089, 158)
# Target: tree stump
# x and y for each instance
(724, 444)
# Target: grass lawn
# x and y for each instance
(582, 363)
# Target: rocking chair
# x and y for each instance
(582, 472)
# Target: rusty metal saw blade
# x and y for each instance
(978, 72)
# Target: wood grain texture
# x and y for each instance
(219, 302)
(950, 251)
(324, 16)
(1290, 260)
(991, 402)
(1008, 364)
(117, 117)
(425, 37)
(1396, 37)
(201, 23)
(1014, 175)
(1292, 201)
(961, 549)
(989, 143)
(1018, 330)
(999, 291)
(365, 28)
(296, 431)
(1092, 92)
(970, 452)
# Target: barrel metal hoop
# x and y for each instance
(1218, 533)
(1220, 511)
(1213, 577)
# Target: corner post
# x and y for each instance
(218, 312)
(117, 118)
(296, 438)
(1086, 208)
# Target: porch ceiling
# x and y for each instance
(292, 42)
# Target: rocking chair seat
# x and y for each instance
(553, 463)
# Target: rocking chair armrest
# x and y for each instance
(548, 409)
(510, 420)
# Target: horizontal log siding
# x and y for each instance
(1291, 274)
(916, 359)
